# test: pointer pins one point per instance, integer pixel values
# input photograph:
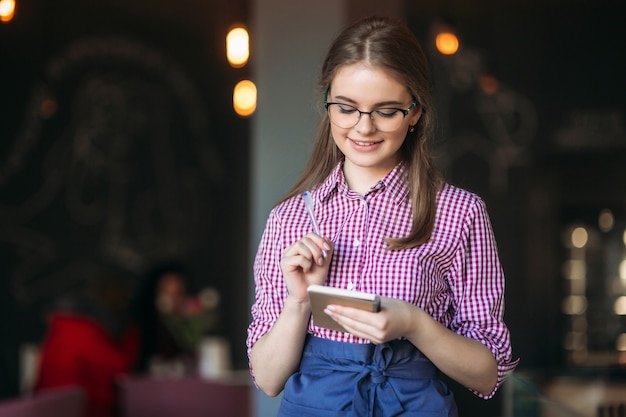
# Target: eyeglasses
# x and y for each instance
(384, 119)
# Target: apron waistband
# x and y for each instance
(389, 357)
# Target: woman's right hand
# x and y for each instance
(304, 263)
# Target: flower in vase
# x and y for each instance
(192, 318)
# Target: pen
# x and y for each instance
(308, 203)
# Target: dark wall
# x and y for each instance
(119, 147)
(546, 149)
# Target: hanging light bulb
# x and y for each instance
(237, 47)
(447, 43)
(7, 10)
(244, 98)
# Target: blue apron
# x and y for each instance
(358, 380)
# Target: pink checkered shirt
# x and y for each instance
(456, 277)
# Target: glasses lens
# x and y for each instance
(343, 115)
(346, 117)
(387, 120)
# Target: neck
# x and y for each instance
(361, 179)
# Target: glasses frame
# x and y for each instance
(404, 112)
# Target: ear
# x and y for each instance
(416, 115)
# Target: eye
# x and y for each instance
(387, 113)
(345, 108)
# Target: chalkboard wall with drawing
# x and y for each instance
(119, 147)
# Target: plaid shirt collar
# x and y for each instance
(394, 182)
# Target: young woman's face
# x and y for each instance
(368, 150)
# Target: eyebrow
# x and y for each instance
(376, 105)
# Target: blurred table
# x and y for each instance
(228, 396)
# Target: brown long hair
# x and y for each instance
(386, 43)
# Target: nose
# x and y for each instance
(365, 123)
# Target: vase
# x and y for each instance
(214, 357)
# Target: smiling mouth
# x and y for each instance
(360, 143)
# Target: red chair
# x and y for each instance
(67, 401)
(189, 397)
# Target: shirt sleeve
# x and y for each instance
(270, 289)
(477, 283)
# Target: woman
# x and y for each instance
(91, 341)
(388, 225)
(165, 286)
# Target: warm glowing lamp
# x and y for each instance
(7, 10)
(244, 98)
(447, 43)
(237, 47)
(579, 237)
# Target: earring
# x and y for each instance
(412, 128)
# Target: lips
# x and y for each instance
(363, 143)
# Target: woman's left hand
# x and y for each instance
(464, 359)
(395, 319)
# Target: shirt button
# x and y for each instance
(356, 242)
(350, 286)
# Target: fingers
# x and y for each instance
(312, 249)
(363, 324)
(321, 244)
(351, 318)
(303, 263)
(297, 262)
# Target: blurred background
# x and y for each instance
(121, 146)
